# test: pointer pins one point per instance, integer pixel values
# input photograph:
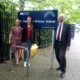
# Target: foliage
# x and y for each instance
(8, 14)
(69, 7)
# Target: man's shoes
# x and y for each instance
(62, 75)
(58, 68)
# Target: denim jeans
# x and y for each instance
(27, 44)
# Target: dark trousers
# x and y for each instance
(27, 44)
(60, 53)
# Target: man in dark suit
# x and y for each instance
(62, 43)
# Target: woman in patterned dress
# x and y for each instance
(15, 38)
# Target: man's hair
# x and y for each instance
(61, 15)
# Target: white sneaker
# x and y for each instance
(25, 63)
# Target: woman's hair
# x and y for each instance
(31, 25)
(15, 21)
(30, 18)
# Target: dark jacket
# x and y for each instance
(66, 35)
(24, 35)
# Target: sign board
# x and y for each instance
(45, 19)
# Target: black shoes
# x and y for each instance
(58, 68)
(62, 75)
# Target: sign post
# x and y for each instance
(45, 19)
(52, 50)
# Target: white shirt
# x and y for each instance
(60, 30)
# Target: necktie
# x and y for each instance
(58, 36)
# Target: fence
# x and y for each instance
(7, 17)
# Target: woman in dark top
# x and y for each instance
(28, 37)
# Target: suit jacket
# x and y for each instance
(24, 34)
(65, 36)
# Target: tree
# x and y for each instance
(69, 7)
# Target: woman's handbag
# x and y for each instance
(34, 48)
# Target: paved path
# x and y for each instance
(39, 69)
